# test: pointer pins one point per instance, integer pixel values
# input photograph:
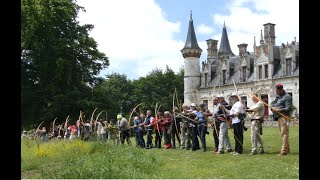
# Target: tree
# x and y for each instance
(59, 61)
(114, 95)
(159, 87)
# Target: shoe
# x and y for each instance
(253, 153)
(182, 147)
(173, 147)
(219, 152)
(236, 154)
(229, 150)
(261, 151)
(282, 154)
(204, 149)
(215, 150)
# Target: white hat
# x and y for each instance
(219, 96)
(192, 104)
(234, 94)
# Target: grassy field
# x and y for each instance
(95, 160)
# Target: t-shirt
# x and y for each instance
(236, 108)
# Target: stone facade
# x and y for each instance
(253, 72)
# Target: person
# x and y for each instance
(216, 123)
(185, 129)
(124, 129)
(175, 129)
(257, 113)
(202, 127)
(166, 129)
(220, 115)
(157, 123)
(73, 131)
(101, 132)
(237, 115)
(194, 127)
(43, 134)
(112, 131)
(138, 131)
(282, 104)
(149, 128)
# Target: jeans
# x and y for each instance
(224, 137)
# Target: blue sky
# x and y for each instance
(142, 35)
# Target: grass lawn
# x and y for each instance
(96, 160)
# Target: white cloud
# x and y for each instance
(243, 23)
(135, 35)
(204, 29)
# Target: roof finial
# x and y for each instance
(261, 38)
(254, 43)
(224, 24)
(191, 15)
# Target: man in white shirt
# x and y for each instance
(236, 112)
(257, 113)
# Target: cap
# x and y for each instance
(279, 86)
(119, 116)
(192, 104)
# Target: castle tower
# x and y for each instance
(224, 54)
(224, 48)
(191, 54)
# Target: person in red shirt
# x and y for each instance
(156, 123)
(165, 124)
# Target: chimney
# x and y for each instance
(212, 48)
(269, 33)
(242, 49)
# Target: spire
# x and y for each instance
(191, 41)
(225, 45)
(254, 43)
(261, 38)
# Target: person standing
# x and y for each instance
(185, 129)
(138, 131)
(224, 139)
(282, 104)
(175, 129)
(257, 113)
(236, 113)
(216, 123)
(149, 128)
(124, 129)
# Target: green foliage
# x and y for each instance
(159, 87)
(59, 61)
(84, 160)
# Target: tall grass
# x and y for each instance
(85, 160)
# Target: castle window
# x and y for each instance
(224, 76)
(244, 100)
(244, 74)
(288, 66)
(260, 72)
(266, 71)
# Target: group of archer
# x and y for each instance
(187, 126)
